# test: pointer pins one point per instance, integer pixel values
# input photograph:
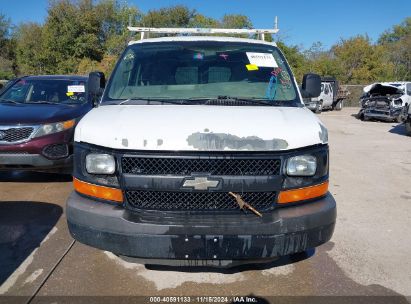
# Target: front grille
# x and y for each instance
(196, 201)
(187, 166)
(15, 134)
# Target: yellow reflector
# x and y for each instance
(291, 196)
(105, 193)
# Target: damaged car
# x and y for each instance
(384, 101)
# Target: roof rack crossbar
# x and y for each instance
(259, 32)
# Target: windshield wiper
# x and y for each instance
(221, 100)
(9, 101)
(149, 100)
(41, 102)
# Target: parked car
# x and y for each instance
(384, 101)
(209, 156)
(37, 119)
(331, 98)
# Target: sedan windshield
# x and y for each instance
(53, 91)
(201, 70)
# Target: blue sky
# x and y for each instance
(300, 22)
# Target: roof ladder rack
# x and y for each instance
(259, 32)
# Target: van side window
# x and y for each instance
(409, 89)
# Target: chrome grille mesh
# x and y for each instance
(15, 134)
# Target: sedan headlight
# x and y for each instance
(302, 165)
(100, 163)
(51, 128)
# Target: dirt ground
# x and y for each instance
(369, 254)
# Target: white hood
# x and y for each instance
(200, 127)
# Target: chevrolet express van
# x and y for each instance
(201, 152)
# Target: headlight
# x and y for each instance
(54, 128)
(302, 165)
(100, 163)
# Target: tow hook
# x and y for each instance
(244, 205)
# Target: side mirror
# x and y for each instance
(95, 85)
(311, 86)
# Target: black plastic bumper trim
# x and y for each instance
(158, 235)
(35, 161)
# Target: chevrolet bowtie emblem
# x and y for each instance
(200, 183)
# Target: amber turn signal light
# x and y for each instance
(306, 193)
(69, 124)
(105, 193)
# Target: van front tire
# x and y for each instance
(339, 106)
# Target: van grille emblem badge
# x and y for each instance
(2, 135)
(200, 183)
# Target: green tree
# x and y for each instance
(71, 33)
(174, 16)
(236, 21)
(30, 55)
(295, 58)
(321, 61)
(199, 20)
(7, 48)
(396, 43)
(115, 16)
(397, 33)
(360, 61)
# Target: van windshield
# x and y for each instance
(191, 70)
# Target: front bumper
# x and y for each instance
(192, 237)
(30, 155)
(311, 105)
(33, 162)
(385, 115)
(22, 161)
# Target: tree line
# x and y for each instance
(79, 36)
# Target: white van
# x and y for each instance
(202, 153)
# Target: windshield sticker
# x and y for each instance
(262, 59)
(251, 67)
(276, 72)
(285, 79)
(76, 89)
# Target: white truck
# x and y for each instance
(331, 98)
(202, 153)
